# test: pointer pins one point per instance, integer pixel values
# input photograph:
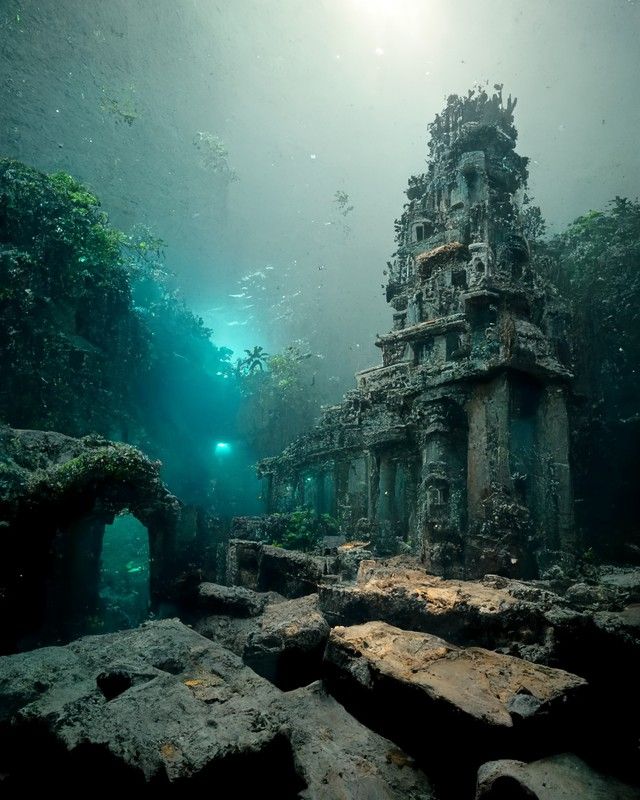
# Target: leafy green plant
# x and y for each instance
(279, 400)
(214, 155)
(301, 530)
(120, 104)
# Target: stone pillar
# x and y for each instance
(341, 483)
(387, 493)
(437, 525)
(412, 500)
(488, 445)
(73, 585)
(373, 475)
(320, 494)
(309, 490)
(358, 487)
(298, 491)
(554, 501)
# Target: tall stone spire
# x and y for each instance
(458, 443)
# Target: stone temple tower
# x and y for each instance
(457, 446)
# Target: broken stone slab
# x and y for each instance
(264, 568)
(561, 777)
(626, 579)
(625, 623)
(291, 573)
(158, 704)
(341, 759)
(351, 555)
(243, 563)
(514, 617)
(288, 645)
(595, 597)
(492, 613)
(229, 632)
(231, 600)
(161, 706)
(425, 693)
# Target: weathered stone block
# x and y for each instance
(287, 648)
(266, 568)
(160, 707)
(235, 601)
(425, 693)
(563, 777)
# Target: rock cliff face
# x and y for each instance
(457, 446)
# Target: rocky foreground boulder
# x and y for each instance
(426, 693)
(233, 601)
(162, 706)
(561, 777)
(516, 617)
(282, 640)
(288, 646)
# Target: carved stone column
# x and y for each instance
(554, 501)
(387, 503)
(435, 521)
(373, 482)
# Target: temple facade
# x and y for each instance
(457, 446)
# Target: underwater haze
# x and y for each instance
(309, 100)
(320, 397)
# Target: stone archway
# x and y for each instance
(123, 581)
(66, 491)
(82, 595)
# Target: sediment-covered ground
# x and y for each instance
(395, 685)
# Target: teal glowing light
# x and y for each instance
(223, 447)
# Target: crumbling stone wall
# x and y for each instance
(457, 445)
(57, 494)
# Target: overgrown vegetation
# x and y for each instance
(596, 265)
(279, 397)
(94, 336)
(70, 344)
(297, 530)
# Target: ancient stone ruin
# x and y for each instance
(457, 446)
(438, 654)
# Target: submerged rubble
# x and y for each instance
(162, 706)
(563, 777)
